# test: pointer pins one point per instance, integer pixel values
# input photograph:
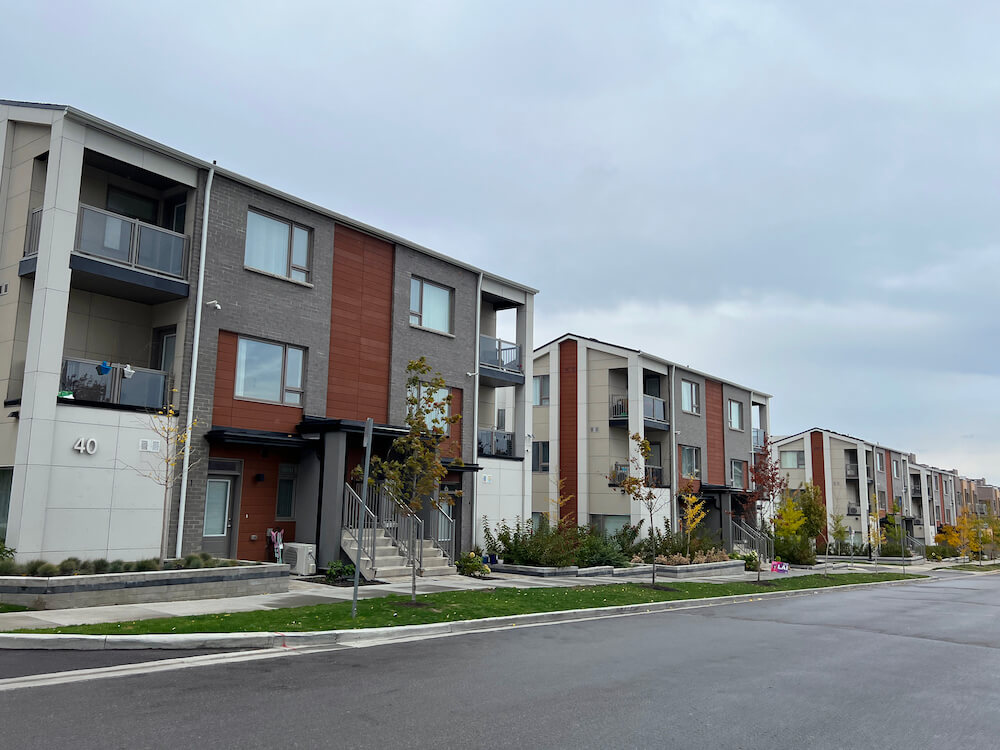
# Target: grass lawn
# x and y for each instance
(973, 566)
(456, 605)
(12, 608)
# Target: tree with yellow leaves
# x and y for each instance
(636, 485)
(965, 535)
(692, 515)
(876, 534)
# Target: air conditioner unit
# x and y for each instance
(301, 558)
(854, 510)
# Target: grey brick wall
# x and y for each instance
(738, 444)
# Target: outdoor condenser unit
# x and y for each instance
(301, 558)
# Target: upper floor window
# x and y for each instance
(540, 396)
(269, 372)
(430, 305)
(880, 461)
(436, 410)
(277, 246)
(690, 397)
(690, 461)
(895, 468)
(540, 455)
(736, 471)
(735, 415)
(793, 459)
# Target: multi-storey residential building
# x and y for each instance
(134, 276)
(988, 496)
(590, 396)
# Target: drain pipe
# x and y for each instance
(193, 379)
(475, 407)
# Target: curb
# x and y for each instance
(372, 636)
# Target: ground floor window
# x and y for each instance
(286, 491)
(6, 477)
(608, 524)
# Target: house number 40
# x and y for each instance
(88, 446)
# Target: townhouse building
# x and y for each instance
(142, 288)
(589, 396)
(988, 496)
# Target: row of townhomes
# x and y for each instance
(853, 473)
(141, 287)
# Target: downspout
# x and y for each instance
(193, 379)
(673, 449)
(475, 405)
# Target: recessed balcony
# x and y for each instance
(654, 411)
(92, 382)
(496, 443)
(500, 362)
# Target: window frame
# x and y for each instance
(742, 427)
(733, 463)
(537, 399)
(538, 466)
(695, 397)
(286, 473)
(290, 265)
(696, 454)
(895, 468)
(798, 464)
(446, 427)
(285, 388)
(880, 461)
(419, 312)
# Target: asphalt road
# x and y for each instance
(912, 667)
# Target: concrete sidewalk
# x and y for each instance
(304, 594)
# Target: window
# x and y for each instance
(541, 390)
(269, 372)
(285, 508)
(690, 461)
(501, 419)
(735, 415)
(881, 500)
(6, 478)
(895, 468)
(690, 397)
(736, 471)
(132, 205)
(540, 455)
(277, 246)
(430, 305)
(439, 410)
(608, 524)
(880, 461)
(793, 459)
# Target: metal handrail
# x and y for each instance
(617, 406)
(400, 523)
(619, 472)
(916, 545)
(34, 233)
(443, 534)
(747, 536)
(361, 526)
(503, 355)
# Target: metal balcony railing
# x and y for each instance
(758, 436)
(915, 491)
(654, 475)
(83, 380)
(654, 408)
(618, 406)
(851, 471)
(503, 355)
(34, 233)
(133, 243)
(619, 472)
(496, 443)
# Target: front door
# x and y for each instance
(217, 537)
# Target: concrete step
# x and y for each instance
(438, 571)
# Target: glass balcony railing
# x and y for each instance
(132, 243)
(851, 470)
(496, 443)
(89, 380)
(503, 355)
(759, 438)
(652, 407)
(654, 475)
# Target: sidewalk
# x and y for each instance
(304, 594)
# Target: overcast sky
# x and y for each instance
(798, 196)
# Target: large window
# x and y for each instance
(439, 411)
(735, 415)
(430, 305)
(269, 372)
(540, 455)
(690, 461)
(277, 246)
(737, 472)
(285, 508)
(793, 459)
(690, 397)
(6, 477)
(540, 396)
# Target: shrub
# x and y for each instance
(472, 565)
(69, 566)
(152, 563)
(31, 567)
(6, 553)
(205, 556)
(128, 567)
(676, 559)
(597, 549)
(10, 568)
(101, 565)
(47, 569)
(750, 561)
(794, 549)
(116, 566)
(86, 568)
(193, 561)
(339, 571)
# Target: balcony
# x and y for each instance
(619, 473)
(85, 380)
(654, 476)
(915, 491)
(654, 410)
(851, 471)
(119, 256)
(496, 443)
(759, 438)
(500, 362)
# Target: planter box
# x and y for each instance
(535, 570)
(64, 592)
(726, 568)
(864, 558)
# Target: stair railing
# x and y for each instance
(916, 545)
(400, 523)
(443, 533)
(360, 524)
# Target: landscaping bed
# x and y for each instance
(691, 570)
(68, 591)
(458, 605)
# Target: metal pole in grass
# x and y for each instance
(367, 443)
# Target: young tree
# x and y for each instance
(638, 488)
(965, 535)
(876, 534)
(839, 531)
(810, 501)
(789, 519)
(691, 517)
(413, 470)
(768, 483)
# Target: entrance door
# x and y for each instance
(217, 536)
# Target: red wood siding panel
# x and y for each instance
(568, 448)
(360, 327)
(818, 468)
(451, 447)
(258, 500)
(687, 484)
(715, 429)
(228, 411)
(941, 497)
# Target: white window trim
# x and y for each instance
(729, 416)
(695, 397)
(697, 462)
(284, 369)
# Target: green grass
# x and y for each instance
(976, 567)
(12, 608)
(456, 605)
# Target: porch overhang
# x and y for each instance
(319, 425)
(239, 436)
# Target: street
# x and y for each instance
(912, 666)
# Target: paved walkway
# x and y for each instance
(303, 593)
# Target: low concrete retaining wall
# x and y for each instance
(701, 570)
(864, 559)
(62, 592)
